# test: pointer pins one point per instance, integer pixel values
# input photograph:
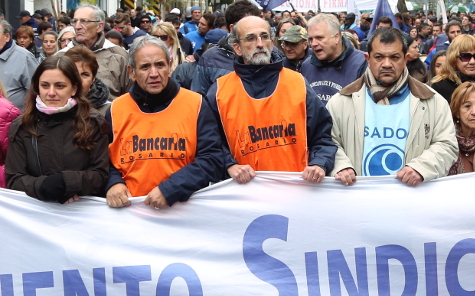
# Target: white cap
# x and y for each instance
(175, 11)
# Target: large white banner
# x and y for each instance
(277, 235)
(332, 5)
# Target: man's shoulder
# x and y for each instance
(218, 58)
(15, 52)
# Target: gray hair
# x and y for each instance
(98, 14)
(234, 37)
(7, 28)
(65, 30)
(143, 41)
(329, 19)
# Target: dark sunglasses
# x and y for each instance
(163, 37)
(466, 56)
(145, 21)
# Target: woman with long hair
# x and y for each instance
(459, 66)
(65, 36)
(438, 60)
(167, 33)
(416, 67)
(94, 89)
(58, 147)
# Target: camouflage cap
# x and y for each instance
(294, 34)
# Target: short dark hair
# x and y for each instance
(209, 17)
(65, 20)
(123, 18)
(172, 18)
(43, 26)
(240, 9)
(113, 34)
(449, 24)
(424, 25)
(219, 22)
(387, 35)
(385, 20)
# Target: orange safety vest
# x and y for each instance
(269, 134)
(149, 147)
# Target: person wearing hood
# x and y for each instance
(94, 89)
(295, 45)
(88, 23)
(334, 63)
(48, 17)
(288, 128)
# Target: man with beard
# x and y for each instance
(388, 123)
(271, 119)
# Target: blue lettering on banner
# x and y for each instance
(462, 248)
(403, 255)
(385, 159)
(184, 271)
(337, 267)
(73, 283)
(430, 254)
(132, 276)
(37, 280)
(263, 266)
(311, 271)
(6, 284)
(388, 133)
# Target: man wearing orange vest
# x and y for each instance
(271, 118)
(165, 142)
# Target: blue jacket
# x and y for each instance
(208, 163)
(190, 27)
(326, 79)
(260, 82)
(196, 39)
(297, 64)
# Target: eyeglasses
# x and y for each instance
(466, 56)
(83, 22)
(251, 38)
(285, 44)
(163, 37)
(62, 40)
(145, 22)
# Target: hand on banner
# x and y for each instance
(118, 196)
(346, 176)
(241, 173)
(409, 176)
(73, 199)
(155, 199)
(313, 174)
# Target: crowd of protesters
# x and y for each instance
(136, 104)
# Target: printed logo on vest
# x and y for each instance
(386, 159)
(138, 148)
(258, 138)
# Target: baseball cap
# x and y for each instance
(175, 11)
(213, 36)
(196, 7)
(23, 13)
(294, 34)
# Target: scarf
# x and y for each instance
(52, 110)
(381, 94)
(98, 94)
(466, 146)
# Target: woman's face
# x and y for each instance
(55, 88)
(284, 28)
(65, 39)
(413, 51)
(162, 34)
(87, 77)
(467, 115)
(466, 68)
(438, 64)
(24, 40)
(49, 44)
(413, 33)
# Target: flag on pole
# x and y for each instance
(382, 9)
(268, 5)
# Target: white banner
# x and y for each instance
(332, 5)
(277, 235)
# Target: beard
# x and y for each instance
(260, 56)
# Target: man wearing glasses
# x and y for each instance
(388, 123)
(88, 23)
(146, 23)
(271, 119)
(124, 26)
(295, 45)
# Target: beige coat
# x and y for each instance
(431, 146)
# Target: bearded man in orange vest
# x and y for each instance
(271, 118)
(165, 142)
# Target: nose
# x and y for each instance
(51, 91)
(77, 25)
(259, 42)
(153, 71)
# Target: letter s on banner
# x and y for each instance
(263, 266)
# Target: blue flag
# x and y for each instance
(269, 4)
(382, 9)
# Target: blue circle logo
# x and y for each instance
(386, 159)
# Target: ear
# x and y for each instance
(170, 68)
(237, 49)
(406, 58)
(100, 27)
(8, 37)
(338, 38)
(366, 56)
(131, 72)
(75, 89)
